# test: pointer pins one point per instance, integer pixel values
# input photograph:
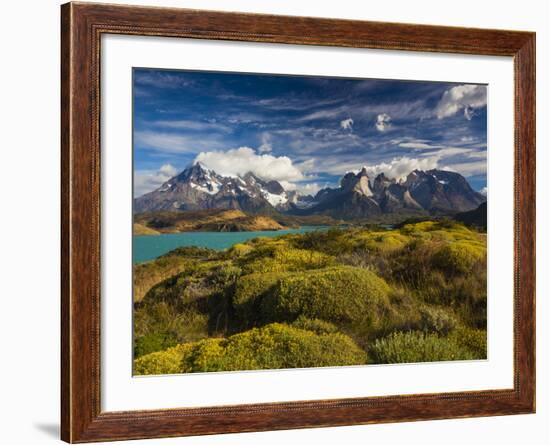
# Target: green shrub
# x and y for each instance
(314, 325)
(340, 294)
(283, 259)
(223, 276)
(459, 256)
(161, 318)
(413, 265)
(416, 347)
(437, 319)
(415, 228)
(475, 340)
(193, 285)
(403, 314)
(192, 252)
(153, 342)
(239, 250)
(150, 273)
(274, 346)
(470, 296)
(162, 362)
(332, 242)
(219, 307)
(385, 242)
(249, 292)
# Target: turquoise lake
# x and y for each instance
(149, 247)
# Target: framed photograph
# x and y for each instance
(275, 222)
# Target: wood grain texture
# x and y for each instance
(82, 26)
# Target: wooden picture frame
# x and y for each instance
(82, 26)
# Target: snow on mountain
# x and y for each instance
(198, 187)
(358, 196)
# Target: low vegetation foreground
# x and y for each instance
(335, 297)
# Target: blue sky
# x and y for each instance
(305, 132)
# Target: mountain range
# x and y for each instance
(357, 197)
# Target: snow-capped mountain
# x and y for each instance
(358, 196)
(198, 187)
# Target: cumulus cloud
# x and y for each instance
(168, 170)
(148, 180)
(311, 188)
(383, 122)
(399, 168)
(462, 97)
(346, 124)
(241, 160)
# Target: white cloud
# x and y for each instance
(163, 79)
(185, 124)
(288, 185)
(168, 170)
(310, 188)
(324, 114)
(477, 154)
(148, 180)
(347, 124)
(162, 141)
(442, 151)
(241, 160)
(383, 122)
(175, 143)
(266, 146)
(399, 168)
(461, 97)
(483, 191)
(446, 152)
(468, 168)
(417, 145)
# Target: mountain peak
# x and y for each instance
(363, 172)
(196, 170)
(381, 182)
(249, 176)
(358, 183)
(198, 187)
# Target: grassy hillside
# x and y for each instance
(204, 220)
(140, 229)
(325, 298)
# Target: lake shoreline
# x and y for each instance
(149, 247)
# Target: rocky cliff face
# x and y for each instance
(432, 191)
